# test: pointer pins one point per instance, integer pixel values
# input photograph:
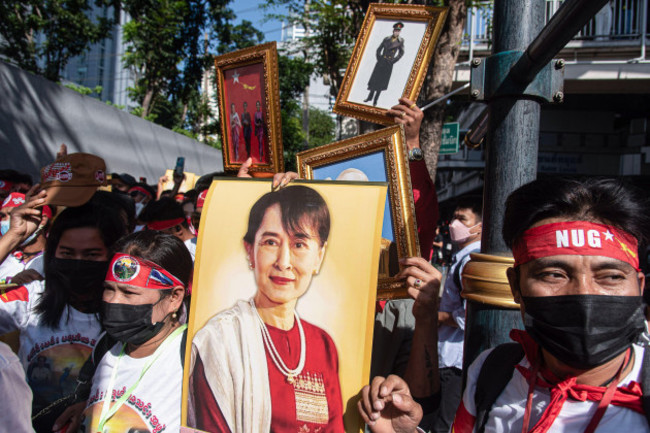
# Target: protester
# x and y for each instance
(405, 336)
(29, 254)
(142, 194)
(198, 210)
(57, 318)
(465, 232)
(167, 215)
(13, 181)
(577, 281)
(16, 395)
(122, 182)
(142, 309)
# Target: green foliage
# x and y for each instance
(294, 76)
(118, 106)
(42, 35)
(321, 127)
(242, 35)
(166, 47)
(333, 28)
(169, 55)
(97, 90)
(184, 132)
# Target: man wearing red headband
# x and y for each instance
(141, 193)
(166, 215)
(579, 365)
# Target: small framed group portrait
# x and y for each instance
(389, 60)
(282, 310)
(249, 108)
(379, 156)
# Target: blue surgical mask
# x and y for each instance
(4, 227)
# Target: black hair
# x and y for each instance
(147, 188)
(190, 197)
(471, 202)
(15, 176)
(600, 200)
(165, 208)
(204, 181)
(300, 206)
(98, 213)
(122, 203)
(163, 249)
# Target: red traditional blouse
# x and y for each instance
(312, 403)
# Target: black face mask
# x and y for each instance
(130, 323)
(584, 331)
(79, 278)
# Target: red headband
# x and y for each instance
(14, 199)
(141, 191)
(164, 224)
(138, 272)
(580, 238)
(201, 200)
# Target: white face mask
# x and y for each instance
(138, 209)
(460, 233)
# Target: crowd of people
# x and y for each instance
(96, 281)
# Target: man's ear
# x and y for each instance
(641, 277)
(513, 279)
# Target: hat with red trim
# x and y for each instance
(73, 179)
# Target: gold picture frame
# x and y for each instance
(249, 78)
(418, 22)
(377, 156)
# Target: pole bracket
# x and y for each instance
(502, 74)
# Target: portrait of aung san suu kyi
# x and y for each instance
(282, 371)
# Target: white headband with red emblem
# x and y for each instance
(138, 272)
(580, 238)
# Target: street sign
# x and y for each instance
(449, 143)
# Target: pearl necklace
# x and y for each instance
(275, 356)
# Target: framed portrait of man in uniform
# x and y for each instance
(389, 60)
(249, 108)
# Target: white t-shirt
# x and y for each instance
(154, 405)
(16, 395)
(507, 413)
(51, 358)
(191, 246)
(12, 266)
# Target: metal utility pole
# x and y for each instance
(514, 81)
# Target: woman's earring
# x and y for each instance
(174, 315)
(250, 266)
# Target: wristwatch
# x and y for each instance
(416, 154)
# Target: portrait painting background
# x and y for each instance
(412, 33)
(246, 84)
(340, 299)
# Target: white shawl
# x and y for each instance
(233, 356)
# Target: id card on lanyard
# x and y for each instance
(107, 410)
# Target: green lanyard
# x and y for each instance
(108, 413)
